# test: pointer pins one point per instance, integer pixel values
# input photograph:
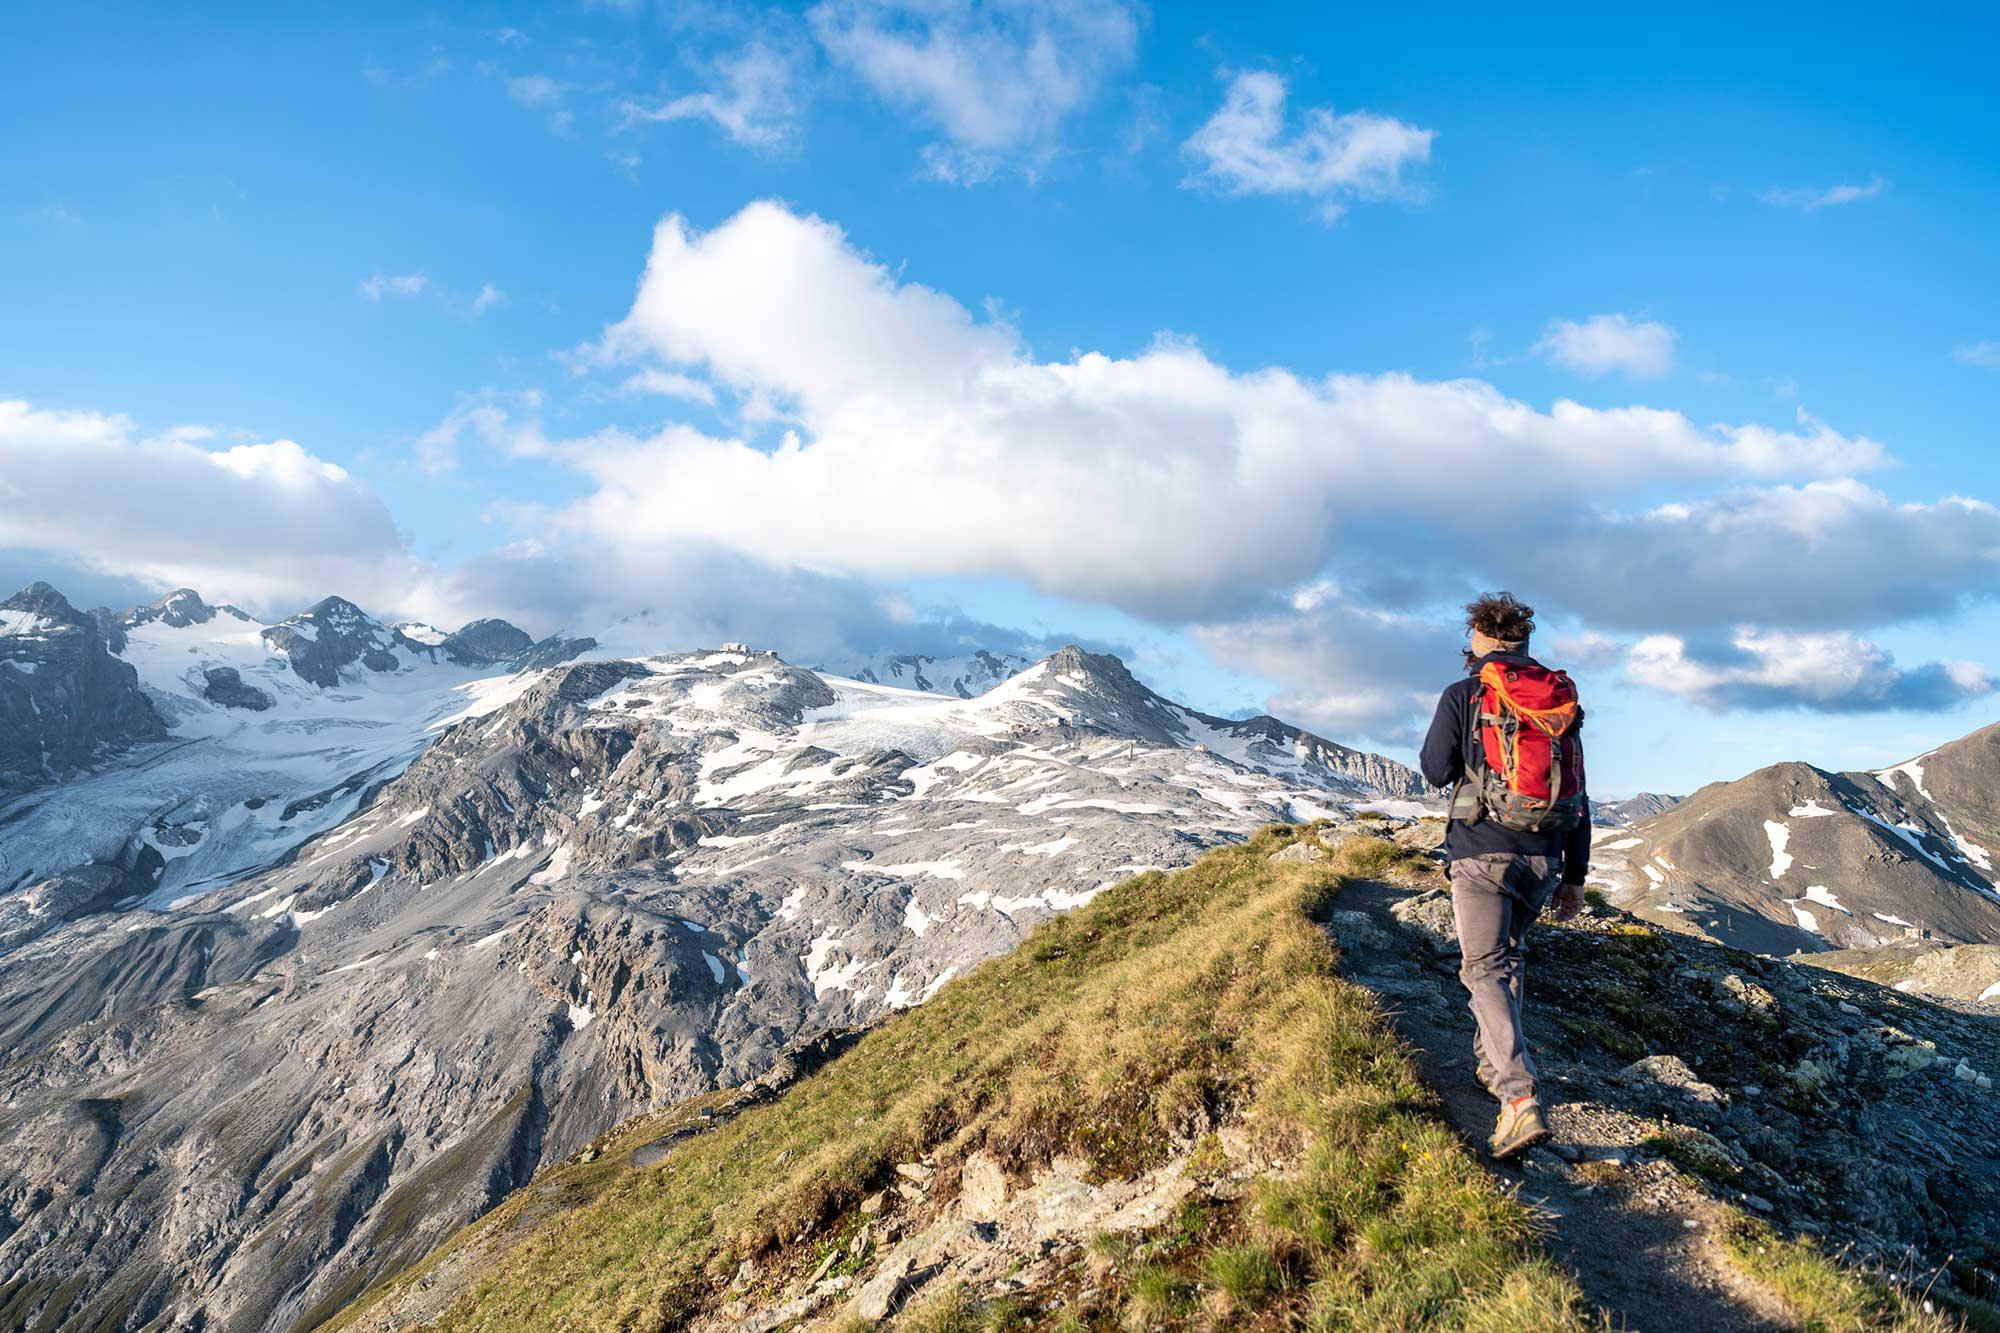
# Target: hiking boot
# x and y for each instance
(1519, 1128)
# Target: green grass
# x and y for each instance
(1365, 856)
(1123, 1032)
(1823, 1295)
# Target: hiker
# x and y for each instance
(1505, 741)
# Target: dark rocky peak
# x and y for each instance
(552, 651)
(178, 610)
(338, 614)
(480, 643)
(1632, 810)
(330, 635)
(64, 697)
(1101, 670)
(486, 641)
(42, 602)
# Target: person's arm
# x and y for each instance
(1443, 755)
(1575, 853)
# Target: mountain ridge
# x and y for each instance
(449, 913)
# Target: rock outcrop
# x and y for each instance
(65, 699)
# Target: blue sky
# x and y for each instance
(397, 238)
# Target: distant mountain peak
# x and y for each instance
(41, 599)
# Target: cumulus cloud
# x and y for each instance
(251, 523)
(1244, 148)
(1828, 673)
(1984, 354)
(996, 81)
(927, 441)
(1825, 555)
(489, 296)
(272, 527)
(1342, 669)
(397, 285)
(1602, 344)
(751, 98)
(1811, 198)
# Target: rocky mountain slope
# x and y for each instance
(1796, 858)
(289, 995)
(1057, 1142)
(65, 700)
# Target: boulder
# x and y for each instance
(982, 1187)
(1428, 916)
(1669, 1071)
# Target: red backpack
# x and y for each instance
(1528, 769)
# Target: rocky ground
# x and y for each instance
(1689, 1080)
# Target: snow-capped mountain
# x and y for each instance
(1632, 810)
(378, 927)
(960, 677)
(1796, 858)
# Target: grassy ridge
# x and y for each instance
(1121, 1032)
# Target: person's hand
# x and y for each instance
(1569, 901)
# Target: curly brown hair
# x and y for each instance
(1500, 615)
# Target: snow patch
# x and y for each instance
(945, 869)
(1780, 835)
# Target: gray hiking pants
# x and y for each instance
(1495, 899)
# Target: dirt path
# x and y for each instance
(1640, 1242)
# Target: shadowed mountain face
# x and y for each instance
(355, 962)
(65, 699)
(1795, 858)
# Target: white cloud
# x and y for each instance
(668, 384)
(1833, 673)
(1343, 670)
(534, 90)
(1831, 554)
(1585, 649)
(751, 99)
(489, 296)
(997, 81)
(1811, 198)
(255, 523)
(271, 527)
(1335, 159)
(1984, 354)
(1605, 343)
(395, 285)
(929, 442)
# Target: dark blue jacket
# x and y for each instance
(1447, 756)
